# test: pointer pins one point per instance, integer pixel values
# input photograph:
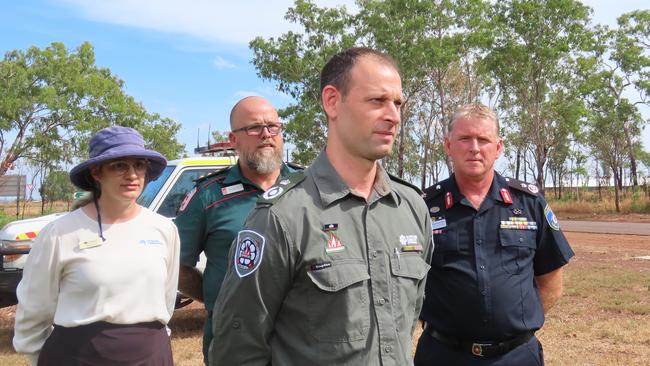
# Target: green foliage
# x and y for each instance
(531, 61)
(52, 100)
(57, 187)
(435, 44)
(294, 61)
(219, 136)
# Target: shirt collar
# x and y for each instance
(498, 183)
(331, 187)
(494, 193)
(235, 175)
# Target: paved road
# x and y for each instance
(606, 227)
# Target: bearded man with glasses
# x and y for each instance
(214, 211)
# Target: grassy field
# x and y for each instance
(591, 206)
(603, 318)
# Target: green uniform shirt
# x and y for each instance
(319, 276)
(209, 222)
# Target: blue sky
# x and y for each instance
(187, 60)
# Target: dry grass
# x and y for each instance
(603, 318)
(589, 205)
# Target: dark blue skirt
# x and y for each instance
(104, 344)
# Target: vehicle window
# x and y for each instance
(152, 188)
(184, 184)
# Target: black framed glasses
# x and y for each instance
(256, 130)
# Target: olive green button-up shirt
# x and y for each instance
(320, 276)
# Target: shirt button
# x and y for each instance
(382, 301)
(235, 324)
(374, 254)
(482, 267)
(483, 292)
(479, 242)
(521, 240)
(387, 349)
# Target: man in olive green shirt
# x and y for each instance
(329, 268)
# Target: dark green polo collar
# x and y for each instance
(235, 175)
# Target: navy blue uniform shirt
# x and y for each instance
(481, 283)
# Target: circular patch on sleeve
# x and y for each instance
(551, 218)
(248, 257)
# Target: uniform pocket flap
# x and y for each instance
(518, 238)
(339, 275)
(409, 265)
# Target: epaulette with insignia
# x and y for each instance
(522, 186)
(408, 184)
(272, 194)
(211, 174)
(434, 191)
(296, 165)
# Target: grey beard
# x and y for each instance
(263, 163)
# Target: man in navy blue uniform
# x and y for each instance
(498, 258)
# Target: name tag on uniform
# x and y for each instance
(90, 243)
(439, 224)
(232, 189)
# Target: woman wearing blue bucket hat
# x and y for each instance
(100, 283)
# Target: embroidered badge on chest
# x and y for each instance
(333, 244)
(250, 247)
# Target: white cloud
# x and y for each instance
(235, 22)
(270, 91)
(221, 63)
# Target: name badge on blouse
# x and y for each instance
(90, 243)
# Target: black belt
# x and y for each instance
(479, 349)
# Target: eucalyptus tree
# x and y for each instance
(53, 100)
(531, 62)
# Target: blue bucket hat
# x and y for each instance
(114, 143)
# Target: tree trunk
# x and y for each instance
(400, 150)
(425, 161)
(631, 155)
(517, 163)
(617, 188)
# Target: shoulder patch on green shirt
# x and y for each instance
(295, 166)
(408, 184)
(522, 186)
(274, 193)
(213, 174)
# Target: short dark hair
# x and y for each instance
(337, 70)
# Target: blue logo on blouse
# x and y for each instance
(150, 242)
